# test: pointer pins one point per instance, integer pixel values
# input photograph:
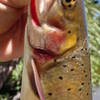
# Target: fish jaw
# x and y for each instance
(53, 41)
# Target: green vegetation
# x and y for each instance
(93, 17)
(13, 85)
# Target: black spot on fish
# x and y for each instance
(82, 64)
(80, 89)
(69, 89)
(64, 65)
(78, 39)
(72, 69)
(86, 49)
(73, 57)
(60, 77)
(86, 75)
(50, 94)
(87, 94)
(82, 83)
(82, 49)
(69, 31)
(84, 71)
(88, 83)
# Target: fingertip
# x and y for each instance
(20, 3)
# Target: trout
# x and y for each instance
(56, 55)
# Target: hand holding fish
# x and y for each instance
(13, 15)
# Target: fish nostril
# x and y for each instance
(69, 5)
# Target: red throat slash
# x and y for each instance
(34, 12)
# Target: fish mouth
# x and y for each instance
(41, 55)
(44, 52)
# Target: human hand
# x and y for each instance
(13, 15)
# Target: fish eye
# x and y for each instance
(68, 3)
(68, 0)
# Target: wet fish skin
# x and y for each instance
(65, 76)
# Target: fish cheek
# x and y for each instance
(71, 38)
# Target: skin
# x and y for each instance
(12, 27)
(13, 15)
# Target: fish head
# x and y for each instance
(51, 33)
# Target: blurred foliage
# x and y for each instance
(93, 17)
(92, 7)
(13, 84)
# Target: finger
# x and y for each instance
(11, 44)
(8, 16)
(19, 3)
(15, 3)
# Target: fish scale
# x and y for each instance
(66, 76)
(66, 84)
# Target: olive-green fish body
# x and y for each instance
(56, 58)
